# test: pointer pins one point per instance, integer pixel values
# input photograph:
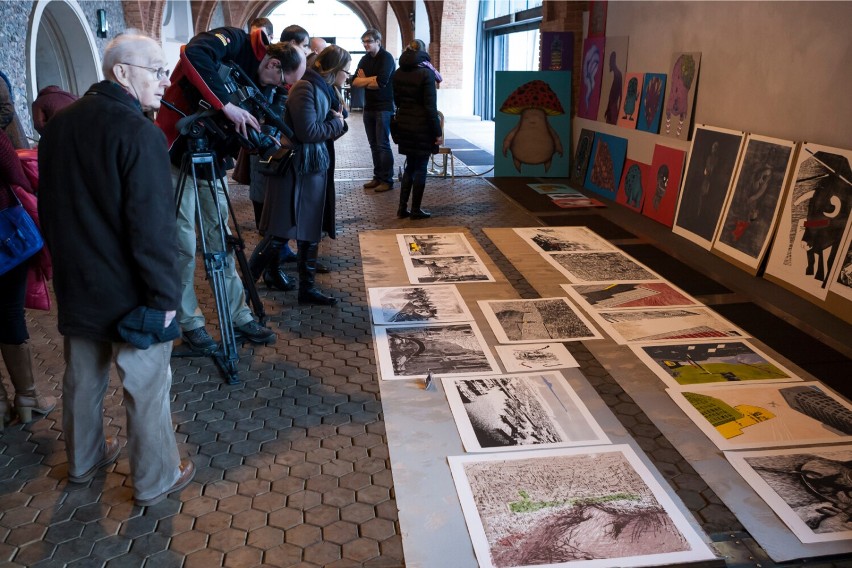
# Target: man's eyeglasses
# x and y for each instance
(159, 72)
(368, 41)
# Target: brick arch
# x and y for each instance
(435, 13)
(403, 9)
(145, 16)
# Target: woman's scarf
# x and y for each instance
(315, 155)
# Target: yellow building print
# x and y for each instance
(728, 420)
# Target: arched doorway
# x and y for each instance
(62, 49)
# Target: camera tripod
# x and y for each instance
(199, 157)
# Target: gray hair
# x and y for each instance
(122, 49)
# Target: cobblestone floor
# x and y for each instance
(293, 466)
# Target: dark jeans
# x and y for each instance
(377, 125)
(13, 290)
(415, 167)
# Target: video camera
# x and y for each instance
(246, 95)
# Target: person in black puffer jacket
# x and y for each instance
(418, 128)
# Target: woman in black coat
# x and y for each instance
(296, 202)
(418, 128)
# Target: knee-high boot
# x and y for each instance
(404, 194)
(19, 362)
(5, 415)
(265, 260)
(416, 198)
(308, 292)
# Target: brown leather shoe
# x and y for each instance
(371, 184)
(111, 451)
(382, 187)
(187, 472)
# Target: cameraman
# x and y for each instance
(197, 78)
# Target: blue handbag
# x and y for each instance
(19, 236)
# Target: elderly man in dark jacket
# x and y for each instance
(107, 210)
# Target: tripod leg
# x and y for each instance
(239, 246)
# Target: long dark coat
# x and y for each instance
(107, 211)
(295, 203)
(415, 95)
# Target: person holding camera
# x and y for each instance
(195, 79)
(296, 205)
(107, 213)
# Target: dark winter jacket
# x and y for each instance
(108, 212)
(415, 95)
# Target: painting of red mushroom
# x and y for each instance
(532, 127)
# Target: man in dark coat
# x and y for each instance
(374, 75)
(196, 78)
(107, 211)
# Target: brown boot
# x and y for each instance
(19, 363)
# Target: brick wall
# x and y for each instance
(451, 28)
(560, 16)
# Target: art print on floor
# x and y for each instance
(655, 325)
(749, 218)
(809, 489)
(606, 164)
(713, 157)
(414, 351)
(519, 358)
(666, 169)
(576, 202)
(592, 68)
(591, 507)
(581, 157)
(532, 124)
(564, 239)
(581, 267)
(685, 363)
(626, 295)
(417, 304)
(612, 82)
(515, 412)
(814, 220)
(651, 106)
(680, 98)
(738, 417)
(436, 244)
(635, 185)
(533, 321)
(630, 105)
(553, 188)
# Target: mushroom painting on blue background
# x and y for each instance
(532, 125)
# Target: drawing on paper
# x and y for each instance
(651, 105)
(666, 169)
(576, 202)
(624, 295)
(535, 357)
(652, 325)
(635, 185)
(679, 102)
(599, 266)
(529, 321)
(712, 159)
(688, 363)
(606, 164)
(809, 489)
(407, 352)
(592, 70)
(814, 219)
(581, 157)
(630, 106)
(767, 415)
(512, 411)
(438, 244)
(564, 239)
(553, 188)
(417, 304)
(570, 506)
(749, 218)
